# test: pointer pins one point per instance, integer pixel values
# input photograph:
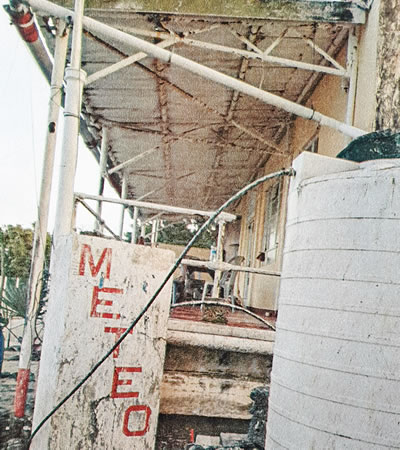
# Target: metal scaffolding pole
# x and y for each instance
(219, 258)
(102, 173)
(40, 235)
(135, 225)
(75, 78)
(227, 217)
(154, 231)
(124, 193)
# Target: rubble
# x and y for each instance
(255, 439)
(14, 432)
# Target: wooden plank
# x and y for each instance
(226, 266)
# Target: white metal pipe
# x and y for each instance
(265, 57)
(158, 228)
(154, 226)
(40, 234)
(247, 42)
(258, 54)
(135, 225)
(102, 172)
(74, 77)
(219, 258)
(76, 44)
(124, 194)
(125, 63)
(132, 160)
(227, 217)
(114, 35)
(325, 55)
(102, 222)
(150, 220)
(277, 41)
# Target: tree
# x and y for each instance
(16, 244)
(16, 249)
(180, 234)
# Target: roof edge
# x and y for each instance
(332, 11)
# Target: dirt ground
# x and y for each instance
(14, 432)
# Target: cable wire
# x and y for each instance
(287, 172)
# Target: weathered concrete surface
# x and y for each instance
(235, 339)
(203, 381)
(98, 287)
(202, 395)
(388, 77)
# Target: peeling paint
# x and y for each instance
(126, 386)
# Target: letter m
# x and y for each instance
(95, 269)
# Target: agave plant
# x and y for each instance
(13, 302)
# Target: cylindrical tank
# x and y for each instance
(335, 380)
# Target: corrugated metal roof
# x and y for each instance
(206, 140)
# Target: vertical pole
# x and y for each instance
(3, 277)
(153, 231)
(135, 224)
(158, 228)
(40, 234)
(124, 193)
(75, 78)
(220, 248)
(102, 173)
(352, 69)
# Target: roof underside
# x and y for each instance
(202, 141)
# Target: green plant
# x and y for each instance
(13, 302)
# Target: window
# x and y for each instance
(271, 222)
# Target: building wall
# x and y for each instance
(329, 98)
(388, 73)
(365, 105)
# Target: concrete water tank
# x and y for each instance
(335, 380)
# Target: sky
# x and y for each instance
(24, 95)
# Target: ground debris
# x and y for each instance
(14, 432)
(255, 439)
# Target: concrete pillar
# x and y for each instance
(98, 287)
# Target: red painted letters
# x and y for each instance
(118, 333)
(133, 413)
(117, 382)
(95, 269)
(96, 301)
(137, 408)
